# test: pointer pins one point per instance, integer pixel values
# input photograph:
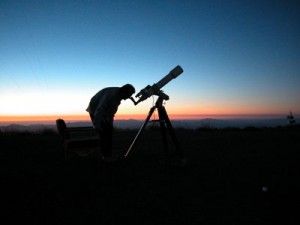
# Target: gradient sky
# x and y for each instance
(239, 57)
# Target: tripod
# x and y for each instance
(164, 121)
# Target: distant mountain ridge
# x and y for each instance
(136, 124)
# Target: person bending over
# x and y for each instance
(102, 109)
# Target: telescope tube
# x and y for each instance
(172, 74)
(155, 88)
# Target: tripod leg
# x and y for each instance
(163, 129)
(140, 131)
(172, 133)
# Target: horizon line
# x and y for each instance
(79, 117)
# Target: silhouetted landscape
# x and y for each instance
(233, 176)
(135, 124)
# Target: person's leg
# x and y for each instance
(98, 151)
(106, 136)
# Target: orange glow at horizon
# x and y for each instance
(36, 118)
(81, 117)
(48, 118)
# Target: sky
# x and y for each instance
(239, 57)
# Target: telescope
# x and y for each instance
(164, 120)
(155, 88)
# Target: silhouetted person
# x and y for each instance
(102, 109)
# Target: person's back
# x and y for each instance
(104, 105)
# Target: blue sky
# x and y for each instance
(239, 57)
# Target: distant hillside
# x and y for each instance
(27, 128)
(136, 124)
(223, 123)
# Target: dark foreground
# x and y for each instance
(233, 177)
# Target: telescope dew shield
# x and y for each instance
(171, 75)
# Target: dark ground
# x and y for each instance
(222, 184)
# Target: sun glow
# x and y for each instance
(46, 108)
(42, 104)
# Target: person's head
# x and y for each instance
(126, 91)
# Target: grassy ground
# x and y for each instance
(233, 177)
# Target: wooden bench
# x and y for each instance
(80, 140)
